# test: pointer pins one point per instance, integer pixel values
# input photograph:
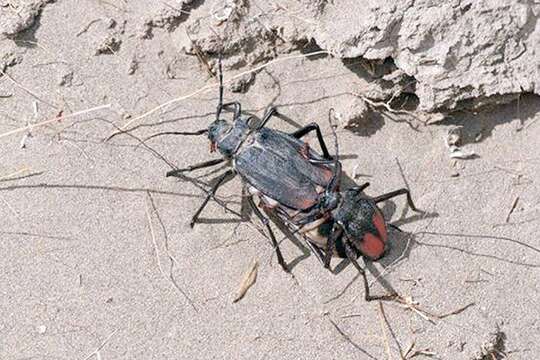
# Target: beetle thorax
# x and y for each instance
(228, 137)
(355, 213)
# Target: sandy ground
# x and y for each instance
(86, 275)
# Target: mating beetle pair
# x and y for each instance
(298, 185)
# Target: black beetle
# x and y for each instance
(273, 164)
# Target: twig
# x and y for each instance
(248, 279)
(24, 169)
(348, 339)
(409, 349)
(87, 27)
(200, 56)
(429, 316)
(55, 119)
(158, 260)
(387, 107)
(512, 208)
(455, 312)
(101, 345)
(382, 318)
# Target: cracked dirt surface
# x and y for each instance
(80, 269)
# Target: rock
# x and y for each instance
(242, 84)
(66, 79)
(20, 16)
(459, 53)
(10, 57)
(167, 16)
(41, 329)
(133, 66)
(354, 115)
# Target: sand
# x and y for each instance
(99, 261)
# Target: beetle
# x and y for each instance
(275, 165)
(345, 223)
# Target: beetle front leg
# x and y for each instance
(237, 108)
(210, 195)
(313, 127)
(392, 194)
(352, 258)
(266, 223)
(208, 163)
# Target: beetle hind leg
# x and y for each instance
(389, 297)
(266, 223)
(337, 231)
(395, 227)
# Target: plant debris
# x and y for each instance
(249, 278)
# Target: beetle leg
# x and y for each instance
(352, 258)
(210, 195)
(208, 163)
(360, 188)
(315, 250)
(313, 225)
(392, 194)
(266, 223)
(313, 127)
(237, 108)
(269, 113)
(337, 231)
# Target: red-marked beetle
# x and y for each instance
(343, 223)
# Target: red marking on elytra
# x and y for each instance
(380, 224)
(372, 246)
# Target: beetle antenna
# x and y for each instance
(336, 145)
(198, 132)
(220, 76)
(337, 166)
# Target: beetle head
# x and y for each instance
(362, 222)
(216, 131)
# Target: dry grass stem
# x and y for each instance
(169, 277)
(248, 279)
(55, 119)
(101, 346)
(383, 330)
